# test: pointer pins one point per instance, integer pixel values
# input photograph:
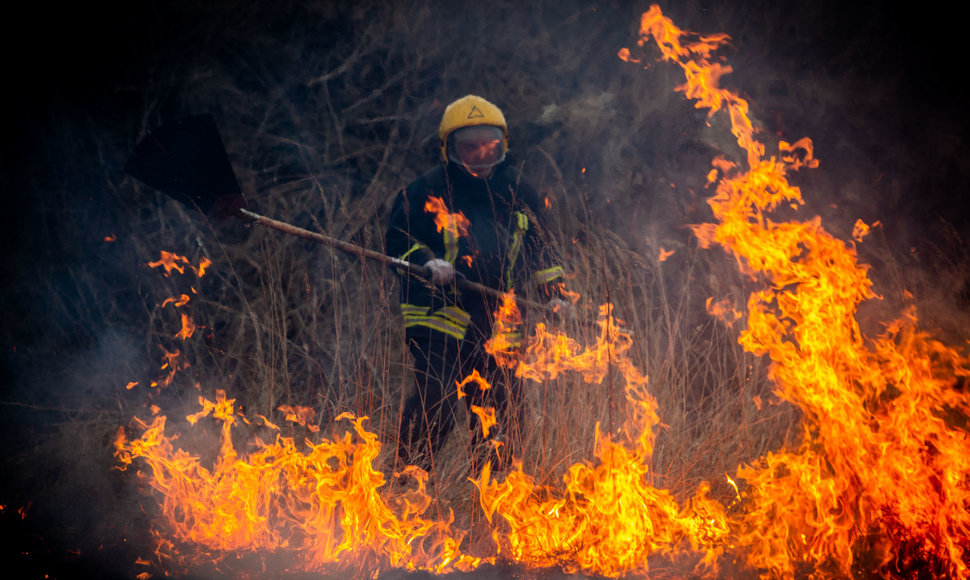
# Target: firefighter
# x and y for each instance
(495, 241)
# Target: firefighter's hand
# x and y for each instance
(563, 308)
(442, 272)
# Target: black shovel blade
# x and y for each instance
(186, 160)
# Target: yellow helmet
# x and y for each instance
(469, 111)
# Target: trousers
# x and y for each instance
(431, 413)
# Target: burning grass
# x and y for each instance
(818, 445)
(875, 476)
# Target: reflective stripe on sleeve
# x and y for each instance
(454, 314)
(451, 245)
(548, 275)
(413, 310)
(521, 226)
(509, 339)
(413, 249)
(450, 320)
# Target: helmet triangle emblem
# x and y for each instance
(475, 113)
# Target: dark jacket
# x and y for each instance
(502, 250)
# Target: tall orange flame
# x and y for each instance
(883, 465)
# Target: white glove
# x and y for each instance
(563, 308)
(442, 272)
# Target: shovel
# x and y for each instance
(187, 160)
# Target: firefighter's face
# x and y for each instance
(479, 148)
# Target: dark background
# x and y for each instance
(876, 86)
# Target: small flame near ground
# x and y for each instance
(877, 485)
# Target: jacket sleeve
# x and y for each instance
(404, 235)
(545, 272)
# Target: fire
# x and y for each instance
(200, 269)
(883, 465)
(861, 230)
(300, 415)
(722, 311)
(877, 484)
(486, 416)
(320, 499)
(171, 261)
(173, 364)
(454, 224)
(179, 302)
(476, 378)
(325, 500)
(606, 518)
(188, 328)
(504, 343)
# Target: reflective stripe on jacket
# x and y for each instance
(450, 320)
(501, 248)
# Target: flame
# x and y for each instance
(664, 254)
(861, 229)
(624, 55)
(455, 224)
(172, 261)
(173, 364)
(486, 416)
(877, 483)
(568, 294)
(200, 269)
(299, 415)
(884, 461)
(475, 378)
(722, 310)
(606, 518)
(324, 501)
(327, 503)
(179, 302)
(506, 324)
(188, 328)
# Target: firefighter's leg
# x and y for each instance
(503, 395)
(429, 414)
